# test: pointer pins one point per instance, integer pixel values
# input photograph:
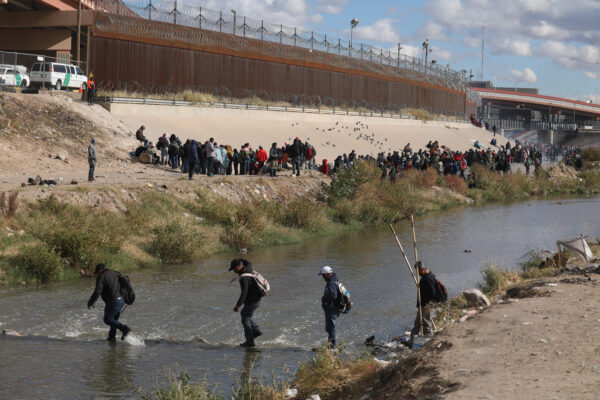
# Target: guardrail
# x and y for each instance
(240, 106)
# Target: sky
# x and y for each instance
(553, 45)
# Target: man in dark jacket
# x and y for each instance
(428, 289)
(192, 154)
(249, 297)
(295, 151)
(108, 287)
(329, 302)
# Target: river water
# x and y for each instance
(65, 356)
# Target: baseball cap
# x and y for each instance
(326, 270)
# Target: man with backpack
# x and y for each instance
(333, 302)
(109, 287)
(432, 291)
(253, 288)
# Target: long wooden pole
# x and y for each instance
(79, 33)
(405, 258)
(412, 221)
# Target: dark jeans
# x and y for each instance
(175, 161)
(249, 325)
(210, 169)
(112, 312)
(235, 167)
(191, 165)
(296, 165)
(91, 97)
(91, 173)
(330, 319)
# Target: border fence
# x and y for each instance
(177, 13)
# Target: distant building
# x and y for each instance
(490, 85)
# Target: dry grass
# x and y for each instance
(9, 205)
(329, 373)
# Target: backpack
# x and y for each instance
(345, 301)
(441, 294)
(125, 289)
(261, 282)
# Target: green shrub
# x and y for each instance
(174, 243)
(344, 211)
(303, 214)
(591, 154)
(495, 278)
(180, 388)
(38, 262)
(237, 236)
(345, 184)
(78, 248)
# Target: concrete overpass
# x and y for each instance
(536, 109)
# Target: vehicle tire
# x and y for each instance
(23, 83)
(58, 85)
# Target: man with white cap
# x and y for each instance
(329, 302)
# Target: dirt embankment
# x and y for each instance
(539, 342)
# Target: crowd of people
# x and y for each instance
(210, 158)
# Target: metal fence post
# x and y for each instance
(281, 34)
(220, 21)
(349, 48)
(244, 26)
(312, 40)
(262, 30)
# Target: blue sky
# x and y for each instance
(549, 44)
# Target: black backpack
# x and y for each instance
(441, 294)
(125, 289)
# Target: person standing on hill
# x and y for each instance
(329, 303)
(91, 89)
(92, 159)
(108, 287)
(192, 158)
(273, 159)
(211, 153)
(249, 297)
(261, 157)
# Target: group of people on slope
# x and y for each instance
(252, 289)
(210, 158)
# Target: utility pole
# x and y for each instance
(79, 32)
(482, 49)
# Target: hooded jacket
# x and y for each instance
(210, 150)
(107, 286)
(92, 159)
(250, 292)
(329, 301)
(428, 288)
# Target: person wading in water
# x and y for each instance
(108, 287)
(249, 298)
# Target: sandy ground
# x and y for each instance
(332, 135)
(35, 129)
(541, 344)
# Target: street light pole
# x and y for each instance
(234, 20)
(353, 24)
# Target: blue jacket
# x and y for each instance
(329, 301)
(194, 148)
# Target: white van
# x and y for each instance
(57, 75)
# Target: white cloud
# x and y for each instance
(591, 75)
(380, 31)
(526, 75)
(472, 41)
(295, 13)
(569, 30)
(332, 6)
(440, 54)
(412, 51)
(512, 46)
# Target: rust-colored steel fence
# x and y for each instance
(169, 57)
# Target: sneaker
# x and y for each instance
(111, 339)
(126, 331)
(257, 333)
(247, 344)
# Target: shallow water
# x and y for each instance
(177, 304)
